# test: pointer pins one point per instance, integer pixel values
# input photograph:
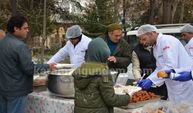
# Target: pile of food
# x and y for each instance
(138, 97)
(142, 96)
(120, 89)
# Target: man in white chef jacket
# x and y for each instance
(169, 54)
(75, 47)
(187, 35)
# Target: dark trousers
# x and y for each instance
(12, 104)
(161, 91)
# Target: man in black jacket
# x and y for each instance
(16, 67)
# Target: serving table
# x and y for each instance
(44, 102)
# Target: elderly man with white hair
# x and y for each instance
(170, 54)
(75, 47)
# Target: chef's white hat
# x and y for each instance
(145, 29)
(187, 28)
(73, 32)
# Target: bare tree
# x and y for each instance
(181, 11)
(116, 7)
(169, 9)
(153, 8)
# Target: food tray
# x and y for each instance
(141, 103)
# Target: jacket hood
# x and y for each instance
(88, 71)
(98, 51)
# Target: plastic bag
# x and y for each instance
(122, 79)
(130, 72)
(168, 107)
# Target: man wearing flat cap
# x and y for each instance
(75, 47)
(187, 35)
(120, 56)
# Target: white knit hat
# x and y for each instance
(145, 29)
(73, 32)
(187, 28)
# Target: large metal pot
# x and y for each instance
(61, 82)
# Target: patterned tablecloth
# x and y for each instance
(43, 102)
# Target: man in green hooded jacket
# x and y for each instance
(94, 92)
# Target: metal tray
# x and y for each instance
(141, 103)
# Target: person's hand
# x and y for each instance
(183, 76)
(112, 59)
(145, 84)
(169, 71)
(52, 67)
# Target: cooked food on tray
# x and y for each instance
(142, 96)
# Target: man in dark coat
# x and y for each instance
(120, 56)
(16, 67)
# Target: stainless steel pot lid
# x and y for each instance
(64, 66)
(62, 72)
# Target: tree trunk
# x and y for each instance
(169, 9)
(160, 12)
(32, 4)
(181, 12)
(44, 33)
(13, 7)
(166, 18)
(152, 10)
(123, 19)
(173, 9)
(116, 7)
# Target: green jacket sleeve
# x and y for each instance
(110, 98)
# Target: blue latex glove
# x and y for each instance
(145, 84)
(169, 71)
(184, 76)
(139, 83)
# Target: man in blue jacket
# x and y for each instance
(16, 67)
